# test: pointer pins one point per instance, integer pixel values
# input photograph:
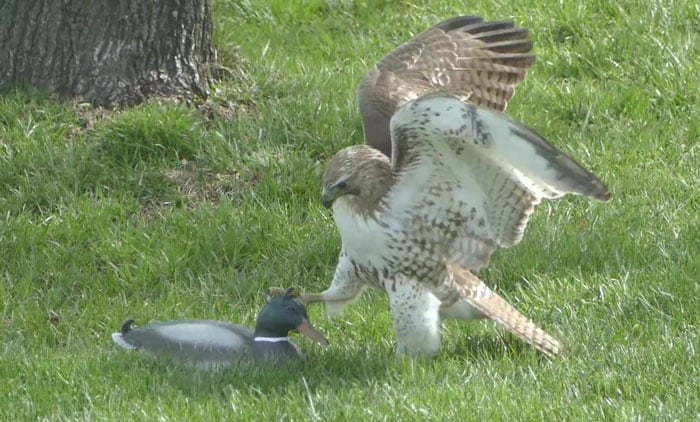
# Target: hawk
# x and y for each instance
(445, 180)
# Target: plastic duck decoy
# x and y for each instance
(216, 343)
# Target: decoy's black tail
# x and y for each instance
(126, 327)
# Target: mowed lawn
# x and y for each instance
(162, 212)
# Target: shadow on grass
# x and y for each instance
(491, 346)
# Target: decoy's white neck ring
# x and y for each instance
(271, 339)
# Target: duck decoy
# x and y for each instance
(209, 343)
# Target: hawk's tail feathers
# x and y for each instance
(496, 308)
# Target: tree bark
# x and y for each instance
(107, 51)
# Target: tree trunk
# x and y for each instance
(107, 51)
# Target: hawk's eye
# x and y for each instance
(342, 185)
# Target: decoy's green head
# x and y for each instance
(283, 314)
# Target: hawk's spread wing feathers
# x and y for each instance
(497, 309)
(484, 59)
(481, 61)
(474, 175)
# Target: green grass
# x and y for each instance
(157, 213)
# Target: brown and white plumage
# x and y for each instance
(479, 61)
(462, 181)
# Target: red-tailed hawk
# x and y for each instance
(462, 181)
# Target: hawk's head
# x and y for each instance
(360, 172)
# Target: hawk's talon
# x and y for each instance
(281, 291)
(296, 292)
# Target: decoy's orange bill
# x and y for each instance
(309, 331)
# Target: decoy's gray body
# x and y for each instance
(207, 343)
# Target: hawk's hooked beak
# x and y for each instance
(328, 197)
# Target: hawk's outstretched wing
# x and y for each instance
(481, 61)
(472, 176)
